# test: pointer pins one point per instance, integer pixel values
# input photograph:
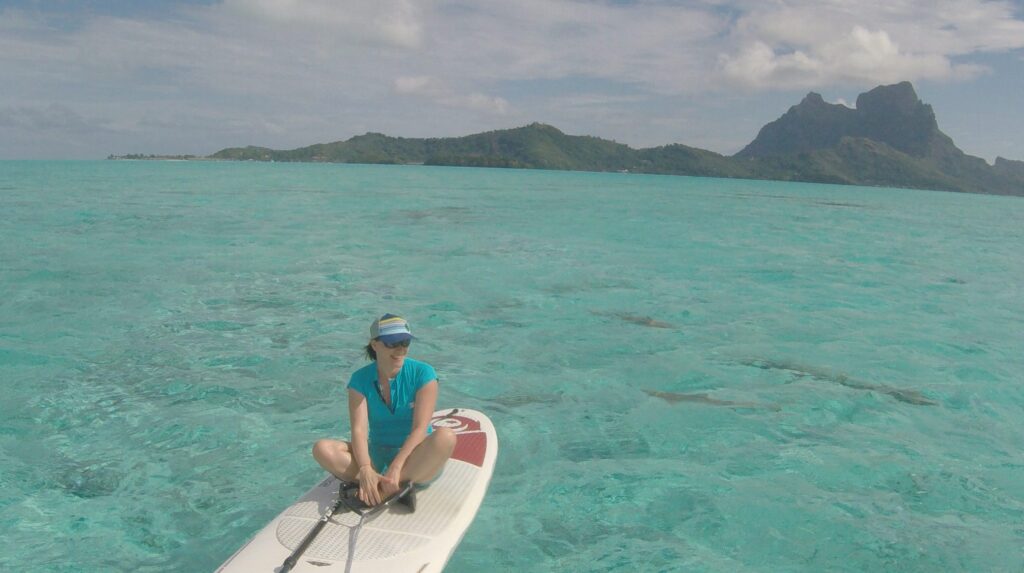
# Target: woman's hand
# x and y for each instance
(389, 484)
(369, 485)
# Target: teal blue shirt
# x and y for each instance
(391, 426)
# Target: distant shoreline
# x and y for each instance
(890, 139)
(153, 157)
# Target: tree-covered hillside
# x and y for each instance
(890, 139)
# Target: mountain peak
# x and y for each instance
(538, 126)
(900, 97)
(813, 99)
(811, 124)
(890, 114)
(893, 114)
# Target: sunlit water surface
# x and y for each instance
(686, 374)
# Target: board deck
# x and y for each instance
(398, 539)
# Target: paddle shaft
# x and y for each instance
(294, 557)
(368, 514)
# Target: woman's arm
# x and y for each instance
(360, 421)
(423, 411)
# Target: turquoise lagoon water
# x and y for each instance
(686, 374)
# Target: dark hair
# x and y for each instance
(370, 352)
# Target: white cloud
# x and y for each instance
(49, 118)
(862, 56)
(418, 85)
(483, 102)
(253, 70)
(357, 47)
(658, 47)
(394, 23)
(436, 90)
(809, 44)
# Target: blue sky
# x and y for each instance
(89, 78)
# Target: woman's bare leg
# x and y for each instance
(429, 457)
(424, 462)
(335, 456)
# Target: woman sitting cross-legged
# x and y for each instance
(390, 405)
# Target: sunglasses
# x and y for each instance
(399, 344)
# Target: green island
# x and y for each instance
(890, 139)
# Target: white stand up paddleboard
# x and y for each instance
(397, 539)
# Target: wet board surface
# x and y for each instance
(397, 539)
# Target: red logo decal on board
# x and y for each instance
(471, 448)
(457, 424)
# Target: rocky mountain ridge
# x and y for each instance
(891, 138)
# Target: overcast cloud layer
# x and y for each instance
(193, 78)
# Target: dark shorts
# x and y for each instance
(381, 457)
